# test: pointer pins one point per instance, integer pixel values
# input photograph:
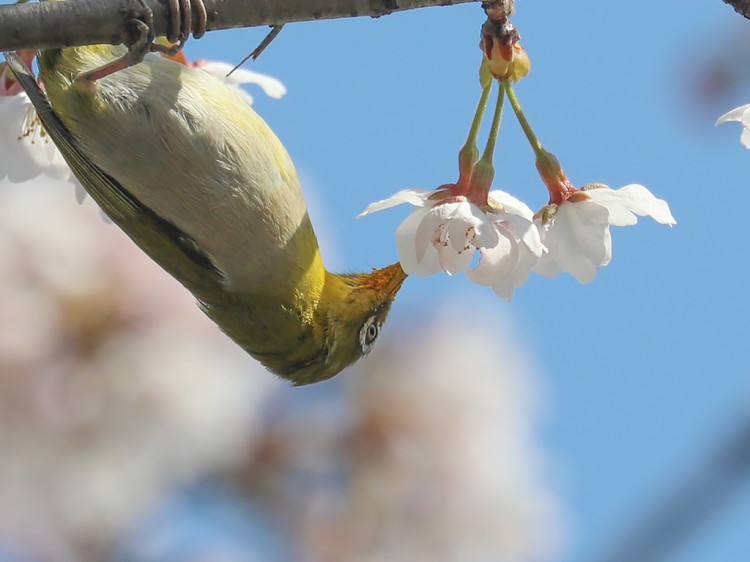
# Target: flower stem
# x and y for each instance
(489, 149)
(484, 172)
(559, 186)
(528, 131)
(474, 131)
(469, 153)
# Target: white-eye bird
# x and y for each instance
(196, 178)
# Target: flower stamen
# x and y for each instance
(31, 125)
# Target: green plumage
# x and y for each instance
(201, 184)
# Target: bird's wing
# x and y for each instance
(169, 246)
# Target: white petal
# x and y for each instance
(270, 85)
(519, 219)
(453, 262)
(407, 241)
(414, 196)
(54, 165)
(17, 159)
(547, 266)
(434, 218)
(429, 265)
(26, 154)
(458, 233)
(406, 245)
(578, 240)
(607, 248)
(523, 230)
(466, 223)
(485, 233)
(526, 262)
(12, 110)
(506, 266)
(512, 204)
(80, 192)
(741, 114)
(646, 204)
(619, 214)
(487, 237)
(504, 289)
(426, 237)
(633, 198)
(736, 114)
(497, 263)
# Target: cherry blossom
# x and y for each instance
(574, 226)
(441, 234)
(507, 265)
(576, 230)
(27, 152)
(444, 232)
(25, 149)
(450, 224)
(271, 86)
(742, 115)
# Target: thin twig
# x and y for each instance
(275, 30)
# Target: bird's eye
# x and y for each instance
(368, 334)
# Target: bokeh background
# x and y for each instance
(577, 423)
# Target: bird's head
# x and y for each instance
(347, 321)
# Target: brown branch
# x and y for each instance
(740, 6)
(86, 22)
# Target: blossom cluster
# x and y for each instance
(457, 221)
(445, 232)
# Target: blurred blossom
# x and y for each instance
(116, 393)
(113, 386)
(25, 149)
(712, 73)
(420, 454)
(205, 524)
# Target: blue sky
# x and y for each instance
(643, 368)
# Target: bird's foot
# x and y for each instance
(142, 36)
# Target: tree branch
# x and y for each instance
(740, 6)
(50, 25)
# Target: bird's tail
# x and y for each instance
(27, 81)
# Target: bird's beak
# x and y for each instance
(389, 279)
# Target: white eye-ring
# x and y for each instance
(368, 334)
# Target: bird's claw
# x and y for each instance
(142, 40)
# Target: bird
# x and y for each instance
(188, 170)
